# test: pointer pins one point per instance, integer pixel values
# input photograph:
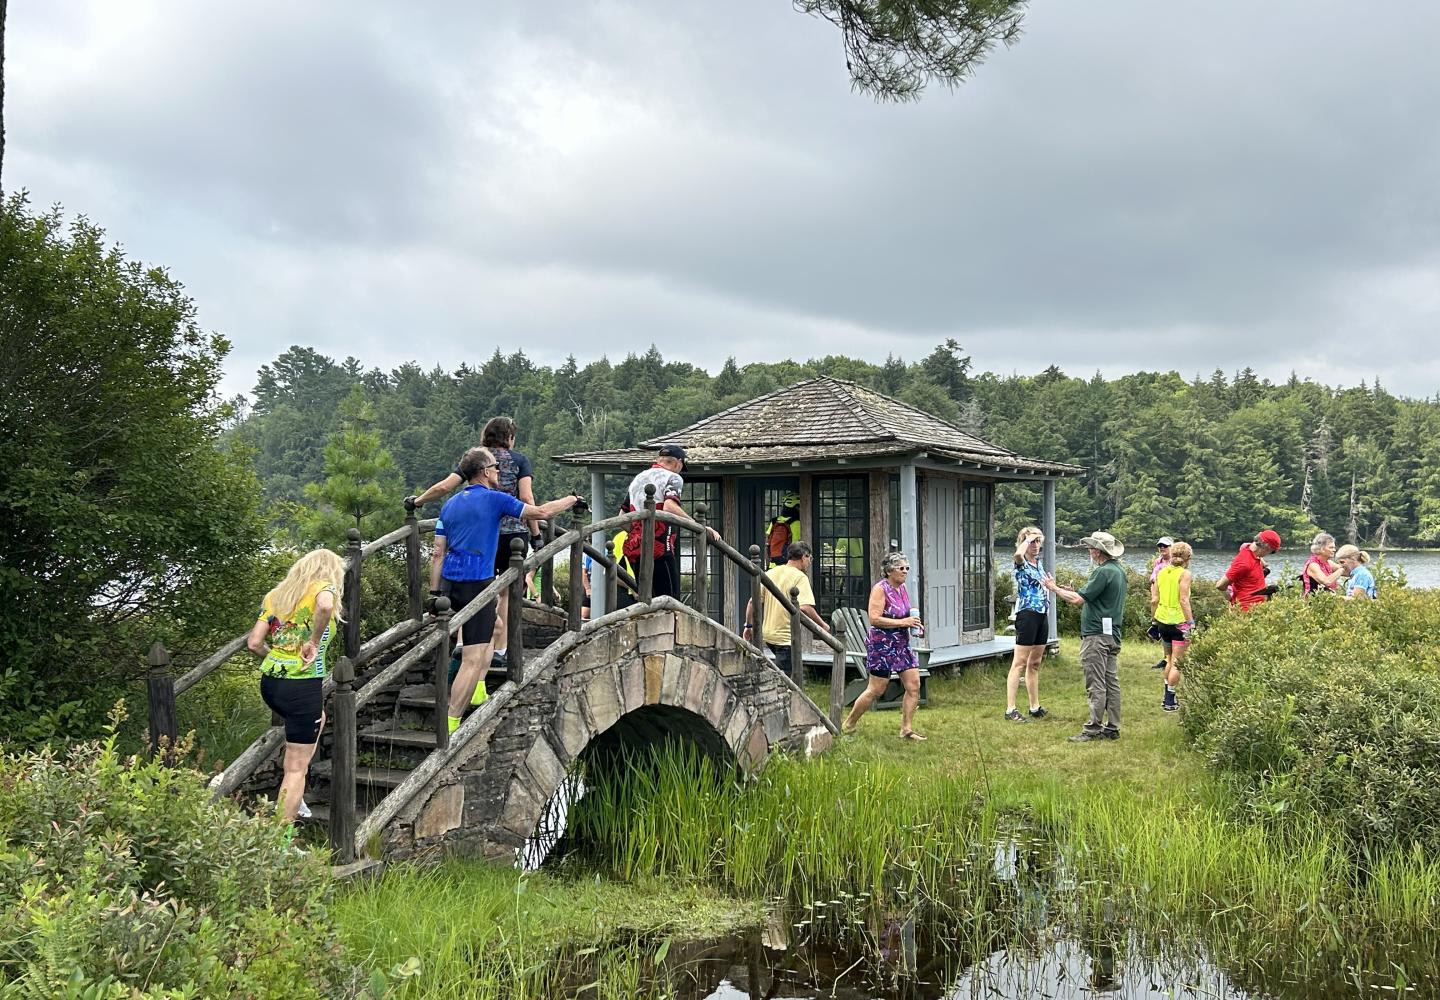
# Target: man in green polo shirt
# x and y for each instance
(1102, 611)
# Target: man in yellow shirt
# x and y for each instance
(794, 572)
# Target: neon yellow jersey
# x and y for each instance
(1167, 585)
(287, 635)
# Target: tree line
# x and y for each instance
(1210, 459)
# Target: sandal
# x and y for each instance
(913, 735)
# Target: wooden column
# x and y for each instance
(797, 640)
(732, 606)
(351, 600)
(647, 549)
(837, 673)
(1048, 526)
(414, 572)
(575, 598)
(601, 598)
(515, 615)
(440, 668)
(342, 763)
(701, 589)
(757, 598)
(910, 528)
(161, 688)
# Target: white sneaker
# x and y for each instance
(304, 811)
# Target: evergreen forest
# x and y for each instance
(1210, 459)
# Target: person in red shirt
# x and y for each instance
(1246, 575)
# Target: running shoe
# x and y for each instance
(1038, 712)
(1014, 716)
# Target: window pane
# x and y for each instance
(708, 492)
(977, 567)
(842, 544)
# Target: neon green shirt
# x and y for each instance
(1167, 586)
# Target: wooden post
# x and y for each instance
(351, 600)
(442, 674)
(701, 590)
(837, 673)
(515, 614)
(161, 687)
(576, 596)
(757, 600)
(602, 598)
(1052, 631)
(547, 568)
(342, 763)
(414, 575)
(647, 549)
(797, 640)
(612, 587)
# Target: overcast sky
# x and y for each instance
(1133, 185)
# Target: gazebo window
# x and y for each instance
(708, 492)
(976, 580)
(841, 538)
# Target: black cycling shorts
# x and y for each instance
(299, 701)
(1032, 628)
(479, 629)
(502, 551)
(1172, 633)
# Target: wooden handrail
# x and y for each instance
(199, 672)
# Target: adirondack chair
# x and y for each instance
(856, 625)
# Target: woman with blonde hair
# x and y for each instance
(1170, 596)
(292, 633)
(1360, 582)
(1032, 625)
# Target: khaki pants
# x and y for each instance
(1100, 663)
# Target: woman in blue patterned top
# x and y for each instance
(1032, 624)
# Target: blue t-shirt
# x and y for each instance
(511, 467)
(470, 524)
(1029, 595)
(1361, 579)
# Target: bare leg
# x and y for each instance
(1017, 670)
(497, 637)
(474, 663)
(910, 701)
(292, 785)
(873, 690)
(1173, 676)
(1032, 675)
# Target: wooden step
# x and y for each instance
(415, 738)
(375, 777)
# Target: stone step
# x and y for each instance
(422, 739)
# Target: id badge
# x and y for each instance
(1107, 626)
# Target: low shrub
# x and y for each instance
(1327, 707)
(122, 878)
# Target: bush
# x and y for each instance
(1329, 708)
(122, 878)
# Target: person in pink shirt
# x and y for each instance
(1246, 575)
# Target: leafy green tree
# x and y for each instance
(361, 489)
(123, 519)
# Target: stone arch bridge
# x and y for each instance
(392, 782)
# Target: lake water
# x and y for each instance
(1421, 567)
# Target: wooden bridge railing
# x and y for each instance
(348, 700)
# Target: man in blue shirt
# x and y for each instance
(466, 537)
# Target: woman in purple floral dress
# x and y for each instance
(887, 646)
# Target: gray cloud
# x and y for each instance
(1132, 185)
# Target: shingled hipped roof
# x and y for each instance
(819, 419)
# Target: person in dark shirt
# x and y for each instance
(1102, 614)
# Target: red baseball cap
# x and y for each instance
(1270, 538)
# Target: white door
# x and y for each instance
(942, 562)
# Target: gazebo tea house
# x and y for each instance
(872, 474)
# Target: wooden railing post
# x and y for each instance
(575, 598)
(646, 581)
(612, 585)
(547, 568)
(837, 672)
(701, 589)
(797, 639)
(515, 614)
(757, 599)
(351, 600)
(342, 763)
(442, 674)
(161, 688)
(414, 575)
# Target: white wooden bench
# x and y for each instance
(856, 625)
